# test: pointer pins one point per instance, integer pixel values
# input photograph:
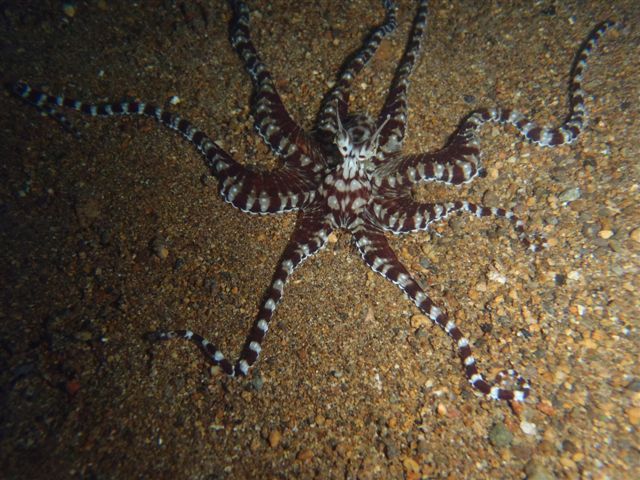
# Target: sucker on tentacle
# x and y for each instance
(348, 173)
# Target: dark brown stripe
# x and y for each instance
(534, 134)
(133, 107)
(483, 386)
(557, 138)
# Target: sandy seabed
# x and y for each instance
(122, 232)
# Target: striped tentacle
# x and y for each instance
(272, 121)
(277, 191)
(212, 352)
(377, 253)
(396, 106)
(409, 216)
(310, 235)
(339, 94)
(41, 102)
(455, 164)
(545, 136)
(459, 161)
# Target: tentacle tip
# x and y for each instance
(16, 88)
(390, 5)
(610, 22)
(510, 385)
(155, 336)
(520, 395)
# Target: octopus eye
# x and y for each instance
(343, 144)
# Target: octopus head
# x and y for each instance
(357, 142)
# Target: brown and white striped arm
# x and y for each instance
(272, 121)
(459, 161)
(309, 236)
(546, 136)
(396, 107)
(455, 164)
(339, 94)
(377, 253)
(277, 191)
(406, 216)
